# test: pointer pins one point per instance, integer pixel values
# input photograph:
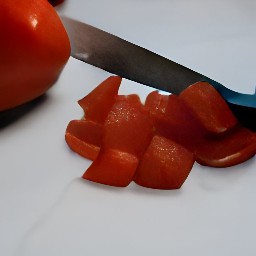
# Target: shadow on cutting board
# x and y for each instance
(10, 116)
(245, 115)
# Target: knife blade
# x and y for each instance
(118, 56)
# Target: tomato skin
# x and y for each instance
(34, 50)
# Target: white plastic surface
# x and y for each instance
(47, 209)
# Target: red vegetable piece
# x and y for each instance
(112, 167)
(234, 148)
(84, 137)
(128, 126)
(209, 107)
(98, 102)
(126, 134)
(34, 49)
(156, 103)
(175, 121)
(165, 165)
(133, 100)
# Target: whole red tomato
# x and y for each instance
(34, 49)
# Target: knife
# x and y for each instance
(118, 56)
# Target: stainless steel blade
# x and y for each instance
(120, 57)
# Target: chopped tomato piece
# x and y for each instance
(231, 149)
(165, 165)
(112, 167)
(98, 102)
(175, 121)
(180, 123)
(157, 144)
(84, 137)
(128, 126)
(156, 103)
(209, 107)
(127, 132)
(131, 99)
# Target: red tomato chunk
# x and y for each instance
(84, 137)
(127, 132)
(165, 165)
(156, 144)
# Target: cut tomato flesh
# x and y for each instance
(231, 149)
(165, 165)
(156, 103)
(209, 107)
(175, 121)
(156, 145)
(183, 124)
(98, 102)
(84, 137)
(128, 126)
(112, 167)
(126, 134)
